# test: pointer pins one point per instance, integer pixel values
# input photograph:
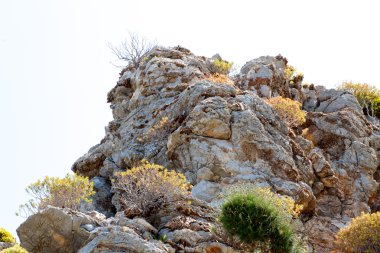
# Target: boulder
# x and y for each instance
(332, 100)
(122, 239)
(57, 230)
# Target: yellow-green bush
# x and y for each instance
(67, 192)
(293, 75)
(368, 96)
(14, 249)
(261, 218)
(221, 67)
(6, 236)
(147, 187)
(361, 235)
(289, 110)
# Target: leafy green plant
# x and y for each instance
(361, 235)
(67, 192)
(6, 236)
(289, 110)
(368, 96)
(14, 249)
(261, 219)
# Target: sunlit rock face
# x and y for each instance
(170, 112)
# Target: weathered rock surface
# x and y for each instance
(121, 240)
(57, 230)
(266, 77)
(219, 135)
(181, 227)
(334, 100)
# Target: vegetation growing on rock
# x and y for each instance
(220, 66)
(133, 50)
(67, 192)
(361, 235)
(147, 187)
(262, 218)
(368, 96)
(293, 75)
(14, 249)
(289, 110)
(6, 236)
(220, 135)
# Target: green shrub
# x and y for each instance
(6, 236)
(257, 220)
(361, 235)
(67, 192)
(368, 96)
(14, 249)
(221, 67)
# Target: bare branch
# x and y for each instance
(133, 49)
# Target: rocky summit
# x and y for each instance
(170, 112)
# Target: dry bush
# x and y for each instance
(220, 78)
(133, 49)
(289, 110)
(147, 187)
(361, 235)
(67, 192)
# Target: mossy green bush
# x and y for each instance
(6, 236)
(256, 220)
(14, 249)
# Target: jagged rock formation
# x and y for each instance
(218, 135)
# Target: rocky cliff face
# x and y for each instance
(170, 113)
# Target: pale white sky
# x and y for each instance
(55, 66)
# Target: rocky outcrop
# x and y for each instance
(168, 112)
(181, 227)
(266, 77)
